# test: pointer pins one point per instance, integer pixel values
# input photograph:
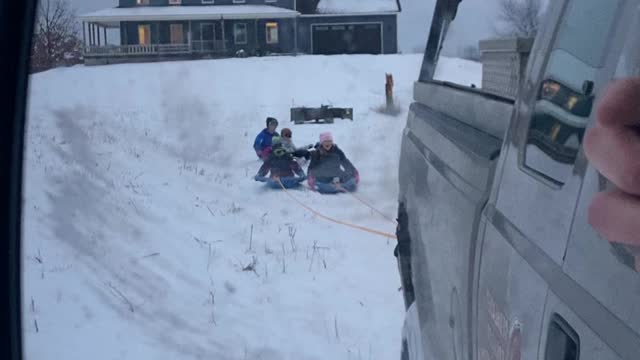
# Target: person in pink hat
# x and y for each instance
(330, 171)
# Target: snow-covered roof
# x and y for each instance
(158, 13)
(357, 6)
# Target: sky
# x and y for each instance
(413, 22)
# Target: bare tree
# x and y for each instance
(519, 18)
(55, 39)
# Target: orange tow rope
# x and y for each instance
(370, 207)
(354, 226)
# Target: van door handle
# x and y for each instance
(563, 342)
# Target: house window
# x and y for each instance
(175, 2)
(207, 37)
(208, 1)
(240, 33)
(142, 2)
(207, 32)
(270, 1)
(177, 33)
(272, 32)
(239, 1)
(144, 34)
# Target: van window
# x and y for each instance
(461, 60)
(565, 100)
(577, 35)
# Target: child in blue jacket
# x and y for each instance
(262, 144)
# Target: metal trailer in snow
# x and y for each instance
(495, 254)
(324, 113)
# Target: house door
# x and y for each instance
(144, 34)
(177, 33)
(207, 36)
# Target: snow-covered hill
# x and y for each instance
(142, 219)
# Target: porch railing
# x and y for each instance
(154, 49)
(205, 46)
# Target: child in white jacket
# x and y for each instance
(300, 154)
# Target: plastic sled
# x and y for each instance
(287, 182)
(331, 188)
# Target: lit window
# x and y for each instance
(144, 34)
(272, 33)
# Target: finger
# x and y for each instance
(615, 153)
(620, 105)
(616, 217)
(613, 143)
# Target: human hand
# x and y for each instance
(312, 182)
(613, 148)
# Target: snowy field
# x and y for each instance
(146, 237)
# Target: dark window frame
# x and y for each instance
(236, 27)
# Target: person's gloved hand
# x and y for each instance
(309, 147)
(356, 175)
(259, 153)
(264, 154)
(259, 178)
(312, 182)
